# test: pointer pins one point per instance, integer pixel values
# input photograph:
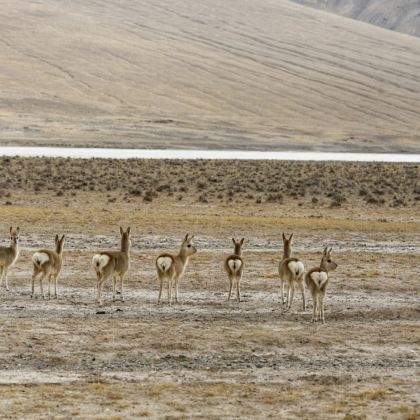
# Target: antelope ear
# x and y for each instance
(11, 229)
(284, 236)
(128, 230)
(325, 250)
(186, 237)
(18, 229)
(121, 230)
(291, 236)
(233, 240)
(329, 252)
(63, 237)
(191, 237)
(56, 238)
(242, 241)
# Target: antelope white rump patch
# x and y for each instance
(319, 277)
(296, 267)
(234, 265)
(40, 258)
(164, 263)
(100, 261)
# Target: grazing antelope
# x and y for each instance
(171, 267)
(317, 280)
(48, 263)
(291, 270)
(9, 255)
(234, 266)
(113, 263)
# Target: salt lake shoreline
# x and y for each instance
(107, 153)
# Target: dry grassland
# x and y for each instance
(203, 357)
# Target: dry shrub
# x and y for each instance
(263, 181)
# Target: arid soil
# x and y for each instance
(220, 74)
(205, 357)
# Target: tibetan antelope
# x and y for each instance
(171, 267)
(291, 271)
(9, 255)
(234, 266)
(113, 263)
(48, 263)
(317, 280)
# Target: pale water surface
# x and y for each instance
(87, 153)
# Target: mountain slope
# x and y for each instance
(230, 74)
(397, 15)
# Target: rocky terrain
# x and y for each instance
(397, 15)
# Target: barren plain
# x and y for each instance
(205, 357)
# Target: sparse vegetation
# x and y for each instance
(204, 358)
(316, 184)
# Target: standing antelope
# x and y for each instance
(317, 280)
(171, 267)
(113, 263)
(49, 264)
(9, 255)
(234, 266)
(291, 270)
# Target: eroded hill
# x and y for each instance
(198, 74)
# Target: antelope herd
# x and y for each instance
(171, 267)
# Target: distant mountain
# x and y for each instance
(230, 74)
(397, 15)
